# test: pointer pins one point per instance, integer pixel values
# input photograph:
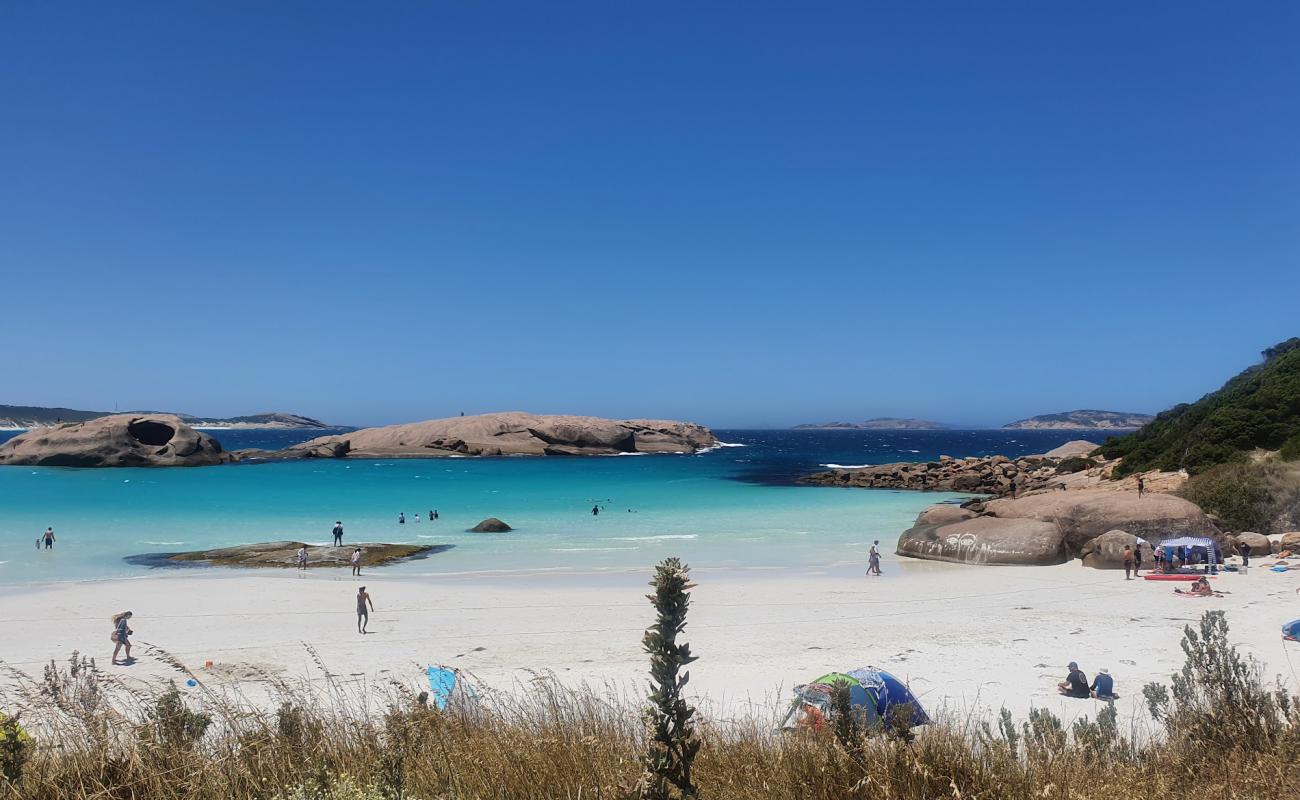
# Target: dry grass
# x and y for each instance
(93, 736)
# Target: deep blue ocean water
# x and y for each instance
(735, 506)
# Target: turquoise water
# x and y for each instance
(731, 507)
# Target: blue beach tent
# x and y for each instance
(448, 687)
(875, 696)
(1291, 631)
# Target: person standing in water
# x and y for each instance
(595, 510)
(435, 513)
(417, 519)
(48, 538)
(338, 533)
(356, 561)
(121, 636)
(401, 518)
(363, 614)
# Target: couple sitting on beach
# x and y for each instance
(1076, 684)
(1199, 588)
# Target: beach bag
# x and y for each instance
(112, 637)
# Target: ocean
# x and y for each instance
(736, 506)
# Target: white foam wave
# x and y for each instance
(162, 543)
(909, 451)
(654, 538)
(846, 466)
(590, 549)
(731, 444)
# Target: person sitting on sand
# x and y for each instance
(1075, 683)
(1199, 588)
(1103, 686)
(121, 636)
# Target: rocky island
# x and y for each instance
(878, 424)
(29, 417)
(118, 440)
(1083, 419)
(508, 433)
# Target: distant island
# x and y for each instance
(25, 417)
(1083, 419)
(878, 424)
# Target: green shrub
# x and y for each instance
(1074, 464)
(1259, 408)
(1248, 496)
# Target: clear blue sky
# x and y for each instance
(742, 214)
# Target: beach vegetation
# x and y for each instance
(1216, 726)
(1259, 409)
(671, 741)
(1261, 496)
(1074, 464)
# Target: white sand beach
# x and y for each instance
(968, 639)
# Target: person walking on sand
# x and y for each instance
(1244, 549)
(1142, 486)
(302, 557)
(48, 538)
(338, 533)
(873, 559)
(356, 561)
(1137, 556)
(363, 614)
(1128, 563)
(121, 636)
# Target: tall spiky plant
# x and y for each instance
(672, 743)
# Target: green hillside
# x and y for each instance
(1260, 408)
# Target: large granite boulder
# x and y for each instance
(118, 440)
(1259, 543)
(943, 513)
(1107, 551)
(491, 525)
(1086, 514)
(986, 540)
(1289, 541)
(1076, 448)
(513, 433)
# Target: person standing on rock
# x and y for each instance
(338, 533)
(1013, 488)
(1128, 563)
(1142, 486)
(363, 614)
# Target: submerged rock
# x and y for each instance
(118, 440)
(285, 554)
(491, 525)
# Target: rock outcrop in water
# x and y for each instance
(118, 440)
(491, 525)
(509, 433)
(981, 475)
(285, 554)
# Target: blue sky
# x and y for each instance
(742, 214)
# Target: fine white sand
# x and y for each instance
(968, 639)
